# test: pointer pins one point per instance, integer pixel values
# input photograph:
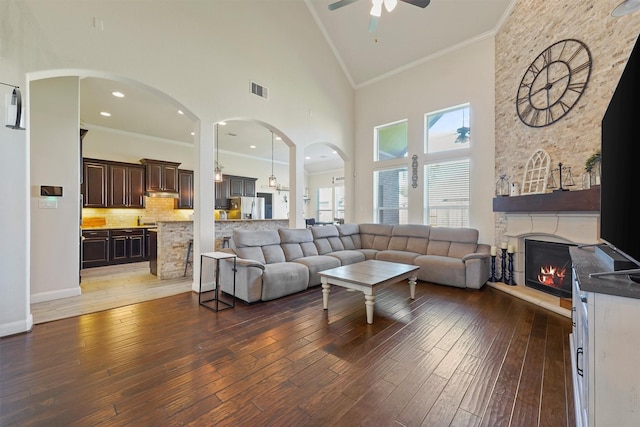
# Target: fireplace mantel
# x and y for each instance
(559, 201)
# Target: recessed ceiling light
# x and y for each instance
(105, 114)
(193, 133)
(117, 94)
(334, 152)
(278, 138)
(222, 123)
(308, 158)
(252, 146)
(180, 112)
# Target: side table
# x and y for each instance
(213, 303)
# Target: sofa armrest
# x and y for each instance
(243, 262)
(475, 255)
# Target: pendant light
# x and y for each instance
(272, 178)
(218, 170)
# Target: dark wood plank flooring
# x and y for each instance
(451, 357)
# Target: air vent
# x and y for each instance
(259, 90)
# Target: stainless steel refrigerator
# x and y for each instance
(247, 207)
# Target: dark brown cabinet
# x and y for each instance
(127, 245)
(95, 248)
(222, 194)
(185, 189)
(161, 176)
(108, 184)
(126, 186)
(241, 186)
(94, 184)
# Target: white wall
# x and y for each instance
(202, 56)
(464, 75)
(55, 160)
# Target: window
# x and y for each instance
(448, 130)
(447, 167)
(447, 194)
(327, 210)
(391, 141)
(391, 196)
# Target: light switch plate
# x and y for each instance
(48, 204)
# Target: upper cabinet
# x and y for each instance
(94, 183)
(108, 184)
(161, 176)
(241, 186)
(222, 194)
(185, 189)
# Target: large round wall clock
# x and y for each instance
(553, 83)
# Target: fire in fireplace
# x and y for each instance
(547, 267)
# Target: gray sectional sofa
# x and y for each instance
(275, 263)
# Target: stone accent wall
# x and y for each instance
(224, 228)
(531, 27)
(173, 241)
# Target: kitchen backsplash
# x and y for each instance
(157, 209)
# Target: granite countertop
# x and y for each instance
(113, 227)
(586, 262)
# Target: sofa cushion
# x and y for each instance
(452, 242)
(348, 256)
(375, 236)
(327, 239)
(350, 236)
(283, 278)
(297, 243)
(318, 263)
(410, 237)
(442, 270)
(402, 257)
(259, 245)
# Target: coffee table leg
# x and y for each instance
(412, 287)
(369, 302)
(326, 288)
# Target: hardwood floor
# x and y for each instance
(110, 287)
(451, 357)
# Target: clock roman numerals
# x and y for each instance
(548, 90)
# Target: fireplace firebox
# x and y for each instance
(548, 267)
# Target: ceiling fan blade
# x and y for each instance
(339, 4)
(419, 3)
(373, 23)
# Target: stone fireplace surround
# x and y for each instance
(561, 227)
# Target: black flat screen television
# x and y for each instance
(620, 164)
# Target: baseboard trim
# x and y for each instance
(53, 295)
(13, 328)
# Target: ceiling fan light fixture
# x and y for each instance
(376, 10)
(390, 5)
(625, 8)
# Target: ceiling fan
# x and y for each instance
(376, 9)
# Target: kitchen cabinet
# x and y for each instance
(241, 186)
(185, 190)
(604, 343)
(161, 176)
(126, 186)
(95, 248)
(109, 184)
(127, 245)
(94, 183)
(222, 194)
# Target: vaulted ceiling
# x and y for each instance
(402, 38)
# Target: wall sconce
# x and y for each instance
(272, 178)
(13, 103)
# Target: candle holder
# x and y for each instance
(503, 265)
(510, 280)
(493, 277)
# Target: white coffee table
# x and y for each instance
(365, 276)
